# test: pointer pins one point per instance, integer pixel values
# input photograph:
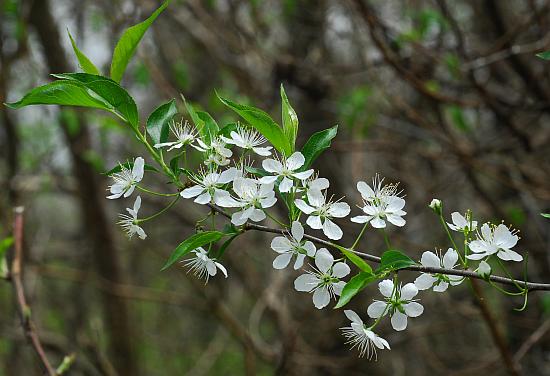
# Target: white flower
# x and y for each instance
(315, 182)
(358, 335)
(129, 223)
(253, 198)
(216, 151)
(126, 179)
(497, 240)
(436, 205)
(248, 139)
(440, 282)
(207, 187)
(398, 304)
(460, 223)
(324, 281)
(320, 213)
(484, 269)
(185, 135)
(381, 203)
(203, 266)
(293, 246)
(287, 169)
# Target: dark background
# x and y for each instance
(446, 97)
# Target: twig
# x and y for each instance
(531, 286)
(533, 338)
(23, 308)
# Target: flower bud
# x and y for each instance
(436, 206)
(484, 269)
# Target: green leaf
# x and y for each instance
(358, 261)
(354, 285)
(108, 91)
(128, 42)
(544, 55)
(317, 143)
(191, 243)
(197, 121)
(263, 124)
(226, 244)
(64, 93)
(210, 127)
(227, 129)
(85, 63)
(129, 166)
(159, 120)
(256, 171)
(290, 120)
(545, 215)
(394, 260)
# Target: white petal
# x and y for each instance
(323, 260)
(386, 287)
(319, 184)
(340, 270)
(352, 316)
(295, 161)
(450, 258)
(504, 238)
(303, 175)
(306, 282)
(376, 309)
(137, 204)
(227, 175)
(138, 169)
(211, 267)
(396, 220)
(430, 259)
(332, 230)
(338, 287)
(413, 309)
(321, 297)
(339, 210)
(459, 221)
(299, 261)
(281, 244)
(263, 151)
(286, 185)
(310, 248)
(257, 215)
(378, 222)
(203, 198)
(315, 198)
(272, 165)
(192, 191)
(365, 190)
(424, 281)
(360, 219)
(222, 268)
(301, 204)
(408, 291)
(297, 230)
(270, 179)
(399, 321)
(129, 191)
(509, 255)
(441, 287)
(282, 261)
(314, 222)
(476, 256)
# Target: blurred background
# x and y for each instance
(446, 97)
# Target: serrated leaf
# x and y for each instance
(191, 243)
(85, 63)
(353, 287)
(262, 122)
(394, 260)
(129, 166)
(108, 91)
(159, 121)
(290, 120)
(317, 143)
(544, 55)
(128, 42)
(64, 93)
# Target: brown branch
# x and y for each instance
(530, 286)
(24, 310)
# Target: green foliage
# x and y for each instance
(198, 240)
(159, 121)
(210, 127)
(394, 260)
(85, 63)
(262, 122)
(354, 286)
(456, 115)
(129, 166)
(358, 261)
(5, 244)
(545, 215)
(128, 42)
(290, 120)
(109, 92)
(317, 143)
(544, 55)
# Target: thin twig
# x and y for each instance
(531, 286)
(24, 310)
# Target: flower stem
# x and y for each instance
(160, 212)
(157, 193)
(275, 219)
(386, 239)
(359, 236)
(444, 224)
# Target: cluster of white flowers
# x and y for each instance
(249, 192)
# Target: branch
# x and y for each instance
(23, 308)
(531, 286)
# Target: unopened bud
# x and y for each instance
(484, 269)
(436, 206)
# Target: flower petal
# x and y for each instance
(338, 210)
(340, 270)
(286, 185)
(272, 165)
(376, 309)
(306, 282)
(314, 222)
(450, 258)
(295, 161)
(321, 297)
(413, 309)
(408, 291)
(332, 230)
(430, 260)
(324, 260)
(282, 261)
(301, 204)
(280, 244)
(424, 281)
(386, 287)
(352, 316)
(399, 321)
